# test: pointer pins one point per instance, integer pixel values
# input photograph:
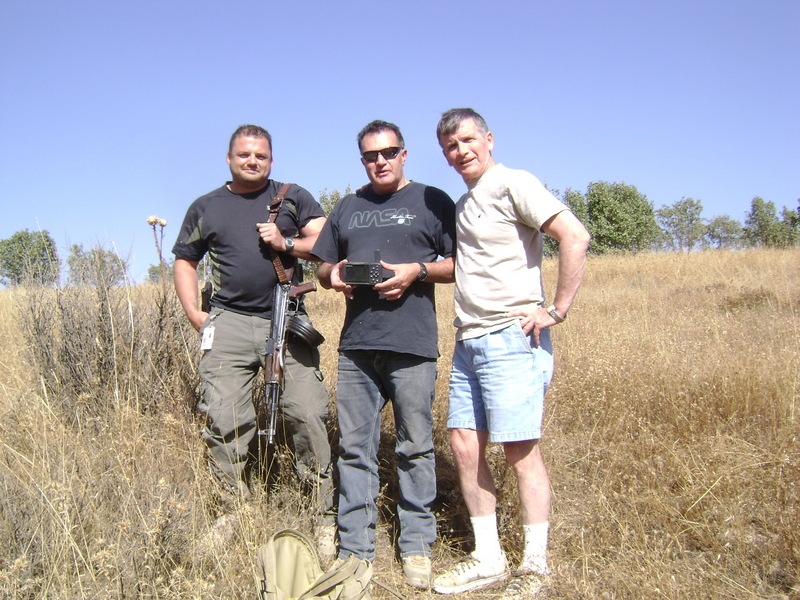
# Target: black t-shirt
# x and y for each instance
(224, 225)
(414, 224)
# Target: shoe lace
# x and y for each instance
(467, 564)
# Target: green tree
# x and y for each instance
(154, 272)
(328, 200)
(97, 267)
(682, 224)
(29, 257)
(789, 228)
(621, 219)
(577, 204)
(724, 232)
(761, 224)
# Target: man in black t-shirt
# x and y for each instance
(388, 346)
(231, 225)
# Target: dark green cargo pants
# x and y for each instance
(228, 370)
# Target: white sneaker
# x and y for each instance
(471, 573)
(524, 584)
(418, 571)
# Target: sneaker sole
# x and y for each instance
(420, 579)
(420, 584)
(457, 589)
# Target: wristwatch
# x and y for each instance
(551, 310)
(423, 272)
(289, 245)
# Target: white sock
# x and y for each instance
(535, 556)
(487, 540)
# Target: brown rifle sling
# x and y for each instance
(274, 207)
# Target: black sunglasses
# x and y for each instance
(387, 153)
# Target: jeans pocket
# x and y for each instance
(518, 336)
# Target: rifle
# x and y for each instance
(276, 349)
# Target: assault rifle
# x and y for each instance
(276, 348)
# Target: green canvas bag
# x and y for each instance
(287, 568)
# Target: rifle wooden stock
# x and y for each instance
(303, 288)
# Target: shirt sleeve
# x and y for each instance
(190, 244)
(446, 230)
(533, 202)
(308, 208)
(326, 248)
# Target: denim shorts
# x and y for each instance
(498, 382)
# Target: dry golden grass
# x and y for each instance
(671, 439)
(672, 436)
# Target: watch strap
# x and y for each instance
(551, 310)
(423, 272)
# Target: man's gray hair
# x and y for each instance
(378, 126)
(253, 131)
(452, 119)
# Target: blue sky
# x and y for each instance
(113, 111)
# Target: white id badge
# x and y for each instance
(208, 338)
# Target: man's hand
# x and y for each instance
(404, 275)
(197, 319)
(534, 321)
(272, 236)
(330, 277)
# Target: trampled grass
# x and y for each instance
(671, 438)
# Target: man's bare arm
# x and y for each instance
(324, 274)
(309, 233)
(441, 271)
(308, 237)
(186, 288)
(573, 242)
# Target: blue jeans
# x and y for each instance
(367, 381)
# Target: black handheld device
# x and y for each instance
(366, 273)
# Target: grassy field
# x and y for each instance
(671, 438)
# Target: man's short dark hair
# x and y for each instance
(250, 131)
(378, 126)
(452, 119)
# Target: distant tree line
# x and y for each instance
(622, 219)
(32, 257)
(618, 216)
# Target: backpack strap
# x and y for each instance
(348, 581)
(274, 207)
